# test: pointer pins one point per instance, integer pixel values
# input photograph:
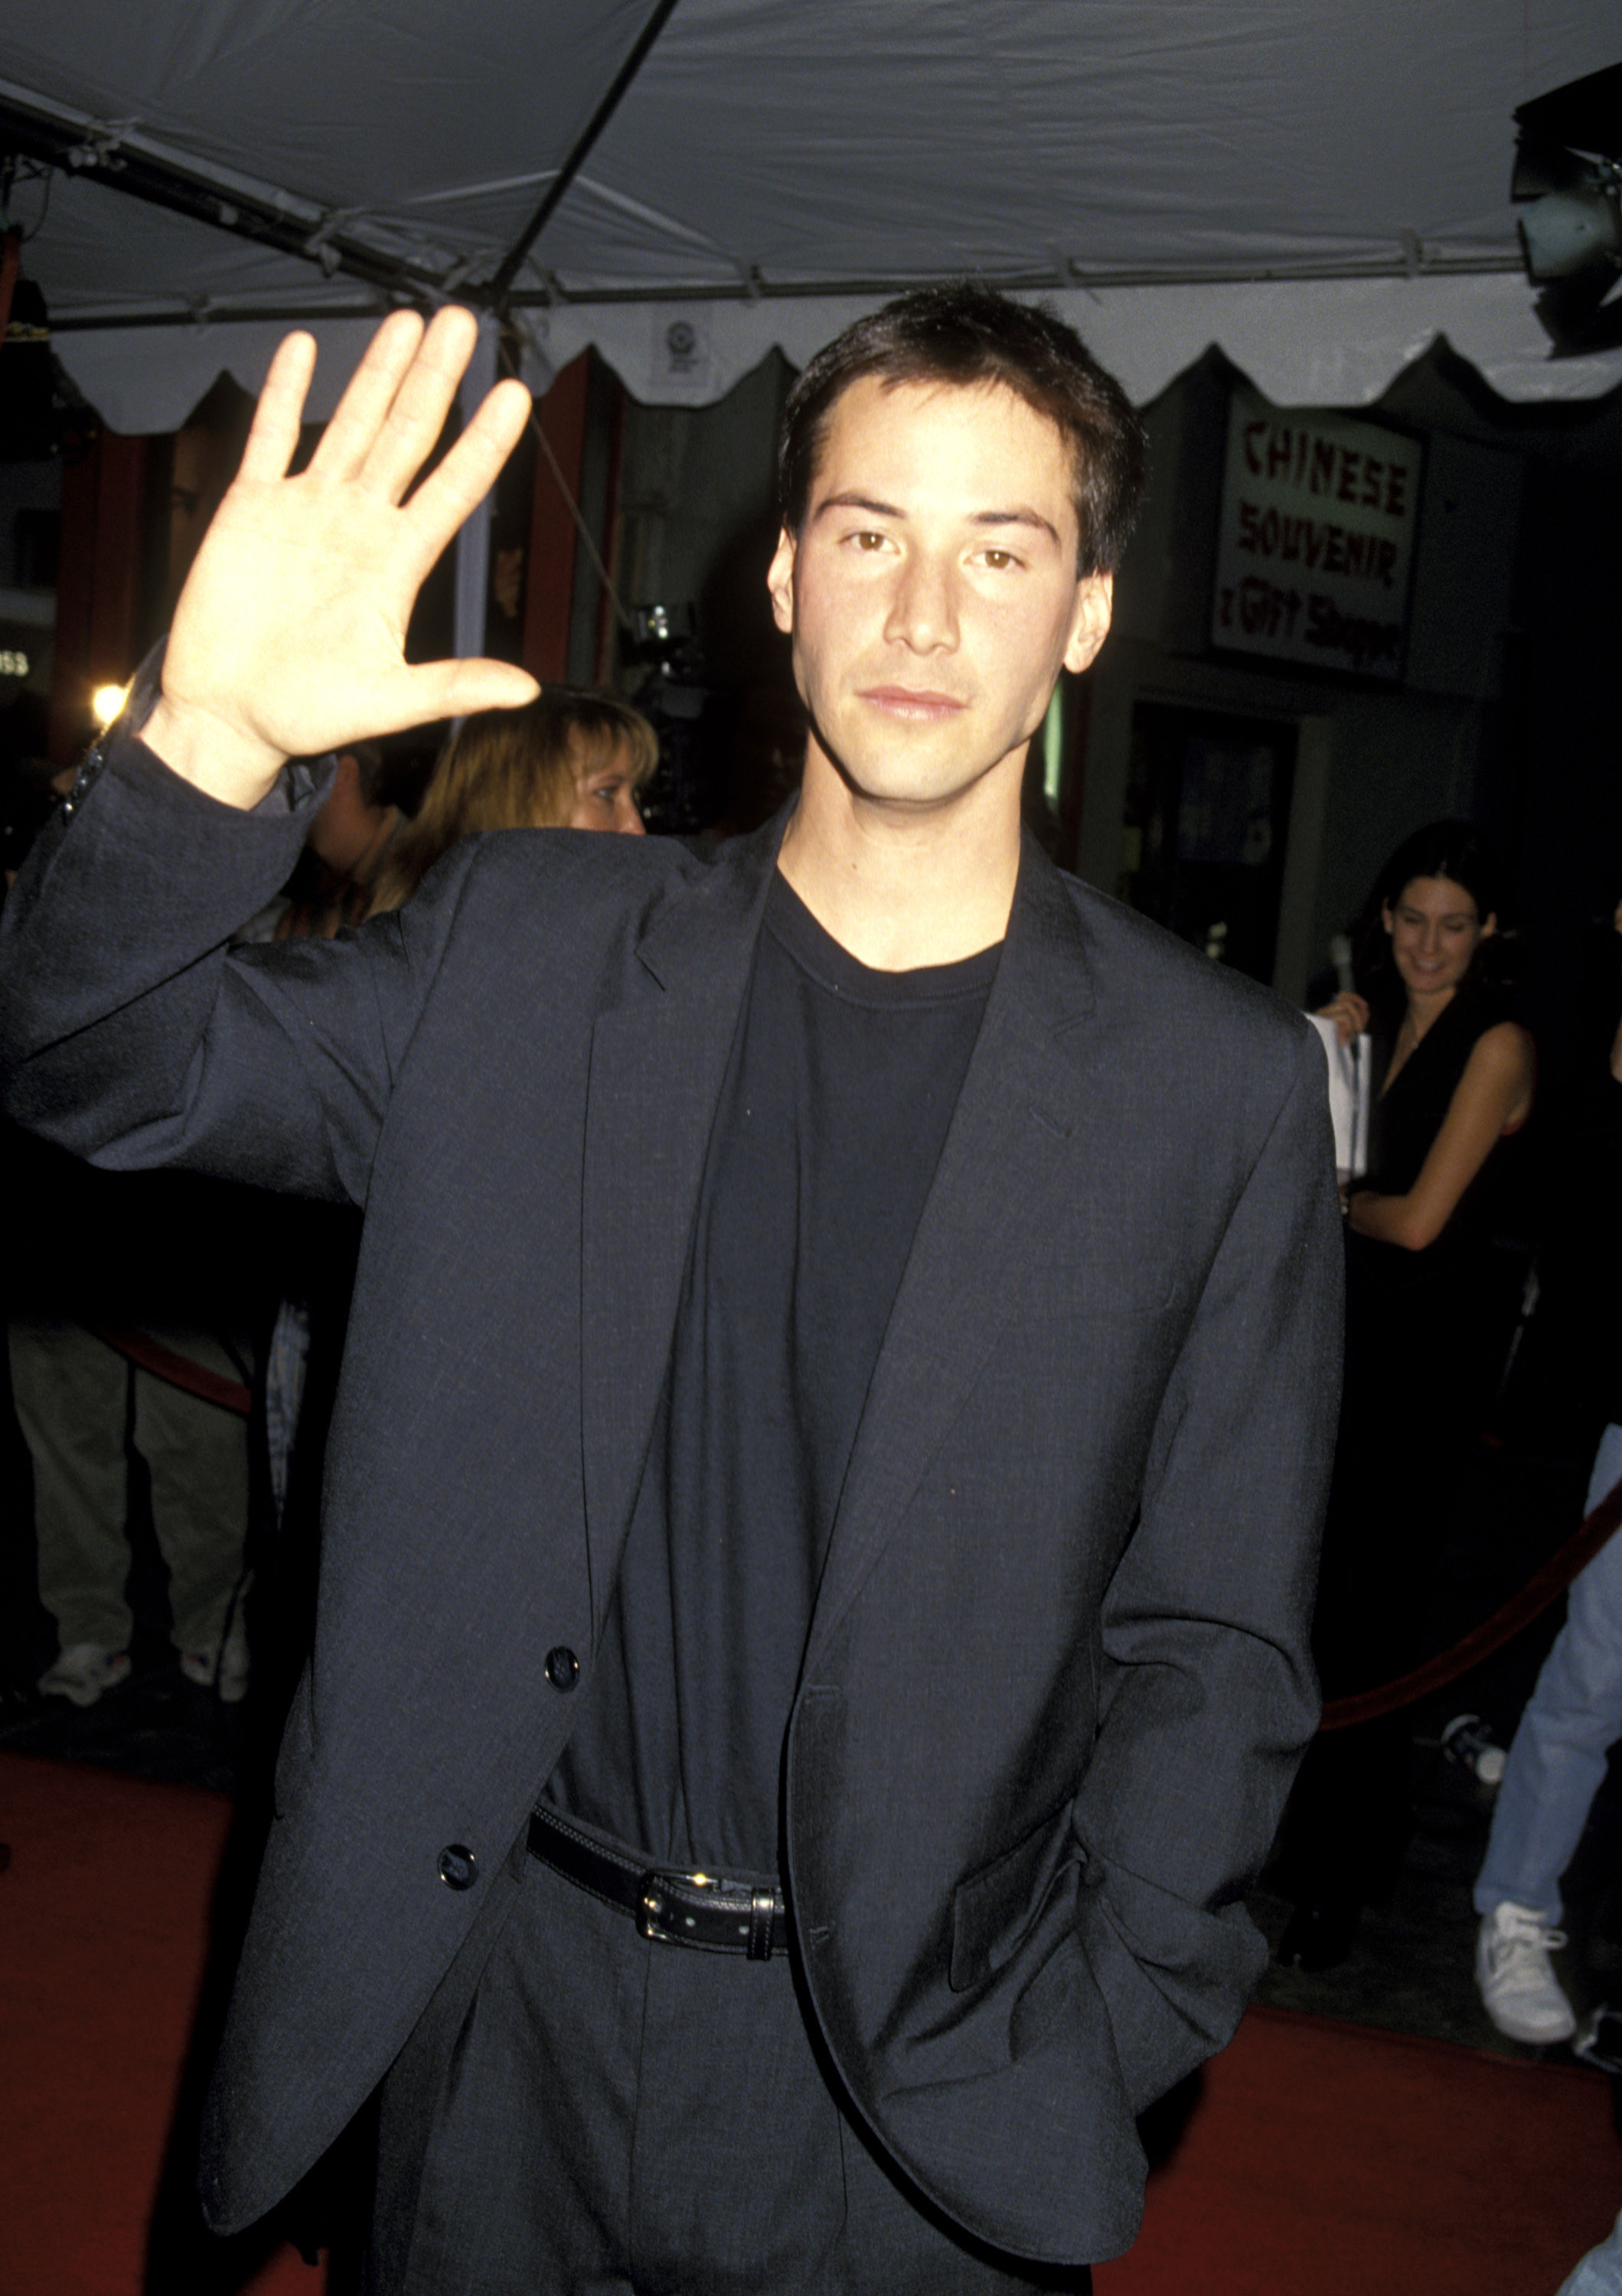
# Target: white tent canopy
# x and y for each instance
(1320, 187)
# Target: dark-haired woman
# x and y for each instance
(1454, 1078)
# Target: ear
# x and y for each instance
(1090, 627)
(780, 581)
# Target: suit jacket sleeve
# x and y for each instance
(134, 1035)
(1207, 1693)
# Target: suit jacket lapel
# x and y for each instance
(986, 1216)
(658, 1061)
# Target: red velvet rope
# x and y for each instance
(1506, 1623)
(180, 1371)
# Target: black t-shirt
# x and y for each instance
(837, 1100)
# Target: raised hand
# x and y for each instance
(289, 638)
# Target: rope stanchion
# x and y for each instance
(179, 1370)
(1542, 1588)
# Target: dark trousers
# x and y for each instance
(582, 2112)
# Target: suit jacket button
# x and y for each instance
(458, 1866)
(563, 1667)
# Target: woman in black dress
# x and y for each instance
(1454, 1079)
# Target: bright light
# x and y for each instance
(107, 700)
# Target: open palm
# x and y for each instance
(289, 638)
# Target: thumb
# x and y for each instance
(457, 689)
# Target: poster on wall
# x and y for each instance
(1315, 540)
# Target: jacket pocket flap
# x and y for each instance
(993, 1910)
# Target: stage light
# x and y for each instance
(1567, 179)
(106, 702)
(1564, 232)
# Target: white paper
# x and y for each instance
(1350, 1070)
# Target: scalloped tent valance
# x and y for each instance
(1321, 191)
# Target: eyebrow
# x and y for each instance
(1022, 516)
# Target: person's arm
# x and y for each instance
(1209, 1697)
(133, 1033)
(1494, 1092)
(128, 1030)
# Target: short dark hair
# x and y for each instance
(965, 333)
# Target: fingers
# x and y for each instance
(469, 472)
(427, 389)
(362, 412)
(274, 434)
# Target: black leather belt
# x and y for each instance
(679, 1908)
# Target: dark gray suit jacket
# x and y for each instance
(1057, 1679)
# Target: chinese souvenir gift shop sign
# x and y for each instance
(1315, 540)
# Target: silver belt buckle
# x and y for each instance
(659, 1915)
(662, 1917)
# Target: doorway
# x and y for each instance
(1206, 827)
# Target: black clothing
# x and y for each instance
(1419, 1352)
(597, 2113)
(1407, 1116)
(838, 1094)
(1420, 1345)
(1056, 1675)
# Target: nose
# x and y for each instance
(923, 605)
(627, 821)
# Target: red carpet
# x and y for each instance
(1332, 2160)
(1322, 2159)
(104, 1927)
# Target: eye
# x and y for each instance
(997, 559)
(868, 540)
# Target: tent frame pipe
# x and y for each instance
(101, 155)
(498, 292)
(767, 290)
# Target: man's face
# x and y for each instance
(931, 592)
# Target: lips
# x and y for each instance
(922, 702)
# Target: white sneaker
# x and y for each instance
(224, 1670)
(1522, 1995)
(82, 1672)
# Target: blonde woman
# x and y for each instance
(572, 759)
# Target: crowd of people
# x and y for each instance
(840, 1149)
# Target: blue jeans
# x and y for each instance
(1599, 2272)
(1572, 1719)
